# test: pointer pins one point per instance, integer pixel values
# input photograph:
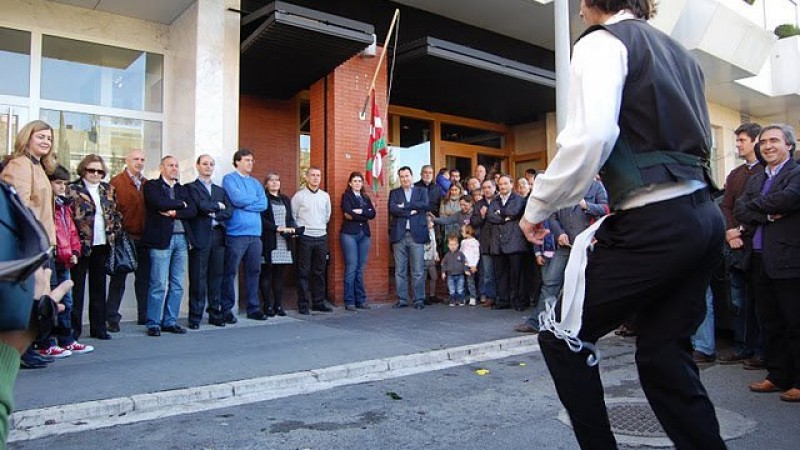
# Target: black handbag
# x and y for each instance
(121, 256)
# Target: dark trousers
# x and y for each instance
(206, 267)
(312, 254)
(247, 251)
(507, 278)
(778, 306)
(530, 280)
(655, 261)
(94, 266)
(271, 283)
(116, 287)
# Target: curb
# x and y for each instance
(77, 417)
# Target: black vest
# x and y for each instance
(665, 135)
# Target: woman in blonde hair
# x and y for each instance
(27, 170)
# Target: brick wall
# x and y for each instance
(270, 129)
(340, 97)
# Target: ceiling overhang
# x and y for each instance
(441, 76)
(286, 48)
(158, 11)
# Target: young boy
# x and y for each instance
(454, 267)
(62, 344)
(471, 249)
(431, 257)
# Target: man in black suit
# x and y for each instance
(167, 236)
(207, 257)
(769, 213)
(408, 234)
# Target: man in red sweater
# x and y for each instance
(749, 348)
(130, 202)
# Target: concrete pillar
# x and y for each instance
(562, 40)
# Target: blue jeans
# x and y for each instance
(62, 333)
(166, 266)
(552, 283)
(488, 287)
(455, 286)
(470, 282)
(355, 248)
(240, 249)
(407, 251)
(703, 339)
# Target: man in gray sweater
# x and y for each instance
(311, 208)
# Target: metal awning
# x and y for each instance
(286, 48)
(437, 75)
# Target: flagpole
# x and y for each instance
(363, 114)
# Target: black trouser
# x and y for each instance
(312, 255)
(655, 261)
(206, 267)
(530, 280)
(778, 306)
(94, 266)
(271, 286)
(507, 278)
(116, 287)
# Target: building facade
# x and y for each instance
(468, 82)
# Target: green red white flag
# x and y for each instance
(376, 150)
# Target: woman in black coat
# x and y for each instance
(509, 246)
(277, 230)
(355, 238)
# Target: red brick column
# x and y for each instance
(336, 101)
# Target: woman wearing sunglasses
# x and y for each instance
(95, 212)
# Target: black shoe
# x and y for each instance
(153, 332)
(419, 305)
(141, 322)
(520, 308)
(194, 326)
(216, 322)
(322, 307)
(258, 315)
(280, 312)
(350, 307)
(399, 305)
(102, 337)
(270, 312)
(304, 311)
(230, 320)
(496, 307)
(113, 327)
(175, 329)
(364, 306)
(26, 362)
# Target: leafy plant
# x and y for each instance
(787, 30)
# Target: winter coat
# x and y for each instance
(68, 242)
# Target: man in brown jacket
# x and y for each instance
(748, 345)
(130, 202)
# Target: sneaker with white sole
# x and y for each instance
(78, 348)
(55, 351)
(473, 301)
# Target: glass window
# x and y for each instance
(472, 136)
(95, 74)
(305, 143)
(414, 149)
(78, 135)
(12, 118)
(15, 62)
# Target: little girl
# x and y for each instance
(471, 250)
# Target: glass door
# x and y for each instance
(12, 118)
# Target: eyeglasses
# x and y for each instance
(100, 172)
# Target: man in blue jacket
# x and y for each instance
(243, 235)
(408, 235)
(167, 236)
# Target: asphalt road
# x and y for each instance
(512, 406)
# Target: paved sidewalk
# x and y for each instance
(133, 363)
